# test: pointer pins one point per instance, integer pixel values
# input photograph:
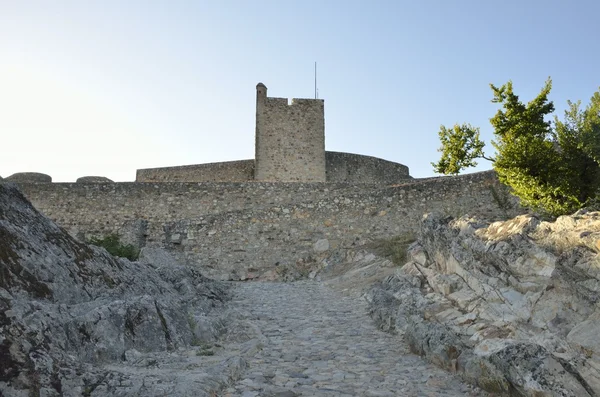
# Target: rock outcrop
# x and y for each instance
(93, 179)
(510, 306)
(29, 177)
(75, 320)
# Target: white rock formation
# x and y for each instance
(511, 306)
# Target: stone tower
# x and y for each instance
(290, 139)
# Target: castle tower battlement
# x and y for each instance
(290, 139)
(290, 147)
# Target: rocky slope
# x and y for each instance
(510, 306)
(76, 321)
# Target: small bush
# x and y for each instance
(394, 248)
(113, 245)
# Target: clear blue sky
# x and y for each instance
(106, 87)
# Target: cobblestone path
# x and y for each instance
(318, 342)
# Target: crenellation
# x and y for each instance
(289, 147)
(278, 102)
(290, 139)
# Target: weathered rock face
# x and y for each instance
(76, 321)
(134, 232)
(93, 179)
(511, 306)
(29, 177)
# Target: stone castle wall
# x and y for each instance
(290, 139)
(239, 228)
(228, 171)
(355, 168)
(340, 167)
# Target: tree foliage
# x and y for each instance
(551, 168)
(461, 145)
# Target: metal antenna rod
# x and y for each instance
(316, 96)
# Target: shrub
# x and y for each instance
(113, 245)
(394, 248)
(553, 168)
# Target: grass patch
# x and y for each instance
(204, 349)
(394, 248)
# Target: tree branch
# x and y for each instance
(493, 160)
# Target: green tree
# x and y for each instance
(553, 170)
(461, 145)
(578, 138)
